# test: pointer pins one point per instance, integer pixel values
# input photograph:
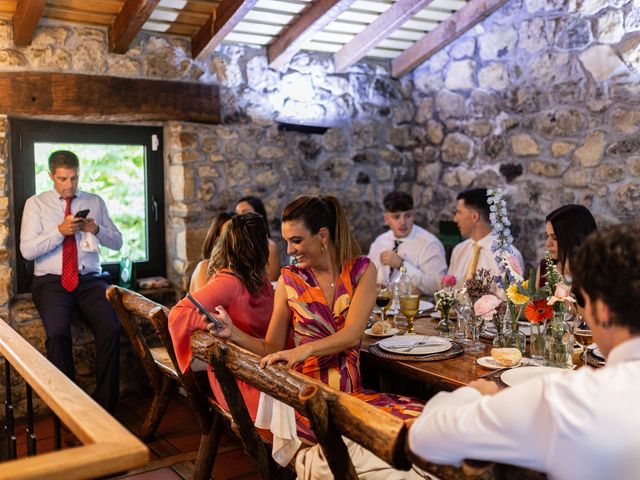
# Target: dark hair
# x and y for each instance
(64, 159)
(258, 207)
(397, 202)
(318, 212)
(607, 267)
(476, 198)
(214, 233)
(244, 250)
(571, 225)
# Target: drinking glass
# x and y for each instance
(476, 345)
(383, 301)
(409, 305)
(463, 309)
(582, 335)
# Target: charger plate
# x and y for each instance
(455, 350)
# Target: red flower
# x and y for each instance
(538, 311)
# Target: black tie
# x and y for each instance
(396, 244)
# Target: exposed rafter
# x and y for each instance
(381, 28)
(227, 15)
(311, 20)
(25, 20)
(461, 21)
(128, 23)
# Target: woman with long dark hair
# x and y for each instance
(239, 284)
(566, 227)
(251, 204)
(200, 274)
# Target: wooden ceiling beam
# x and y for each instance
(461, 21)
(388, 22)
(47, 95)
(311, 20)
(25, 20)
(128, 23)
(226, 16)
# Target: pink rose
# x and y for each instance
(449, 281)
(486, 306)
(562, 293)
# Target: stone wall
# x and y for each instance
(541, 98)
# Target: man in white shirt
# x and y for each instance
(571, 424)
(62, 230)
(408, 245)
(472, 217)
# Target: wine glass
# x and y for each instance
(476, 345)
(463, 309)
(409, 305)
(582, 335)
(383, 300)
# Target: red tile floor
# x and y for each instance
(172, 452)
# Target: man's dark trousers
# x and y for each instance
(56, 306)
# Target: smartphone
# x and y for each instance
(82, 213)
(210, 318)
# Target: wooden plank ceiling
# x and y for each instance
(405, 31)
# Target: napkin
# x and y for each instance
(89, 242)
(280, 418)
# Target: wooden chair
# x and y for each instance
(160, 365)
(331, 413)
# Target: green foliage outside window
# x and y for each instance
(116, 173)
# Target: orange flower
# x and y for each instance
(538, 311)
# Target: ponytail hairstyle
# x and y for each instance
(318, 212)
(244, 250)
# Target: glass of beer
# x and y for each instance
(409, 305)
(383, 300)
(582, 335)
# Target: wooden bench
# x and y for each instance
(331, 413)
(159, 362)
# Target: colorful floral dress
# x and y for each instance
(313, 319)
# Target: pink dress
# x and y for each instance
(250, 313)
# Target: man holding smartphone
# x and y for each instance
(62, 231)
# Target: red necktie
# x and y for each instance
(69, 277)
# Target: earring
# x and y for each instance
(324, 248)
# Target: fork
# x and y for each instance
(408, 348)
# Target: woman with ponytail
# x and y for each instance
(325, 299)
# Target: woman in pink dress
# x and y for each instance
(325, 300)
(238, 283)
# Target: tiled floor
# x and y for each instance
(172, 452)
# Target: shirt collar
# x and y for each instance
(625, 351)
(486, 242)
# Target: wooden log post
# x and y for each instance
(252, 443)
(333, 447)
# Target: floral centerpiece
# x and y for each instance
(558, 337)
(491, 308)
(445, 299)
(511, 272)
(478, 285)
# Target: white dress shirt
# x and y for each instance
(578, 425)
(463, 253)
(40, 239)
(423, 256)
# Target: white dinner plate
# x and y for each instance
(400, 343)
(525, 327)
(436, 314)
(516, 376)
(388, 333)
(490, 362)
(598, 353)
(423, 307)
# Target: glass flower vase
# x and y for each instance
(515, 338)
(558, 342)
(536, 341)
(445, 326)
(500, 340)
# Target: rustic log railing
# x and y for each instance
(107, 448)
(332, 414)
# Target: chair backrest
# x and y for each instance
(331, 413)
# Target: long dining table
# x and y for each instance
(447, 374)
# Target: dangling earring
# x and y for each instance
(324, 249)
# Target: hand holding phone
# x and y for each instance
(82, 213)
(218, 325)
